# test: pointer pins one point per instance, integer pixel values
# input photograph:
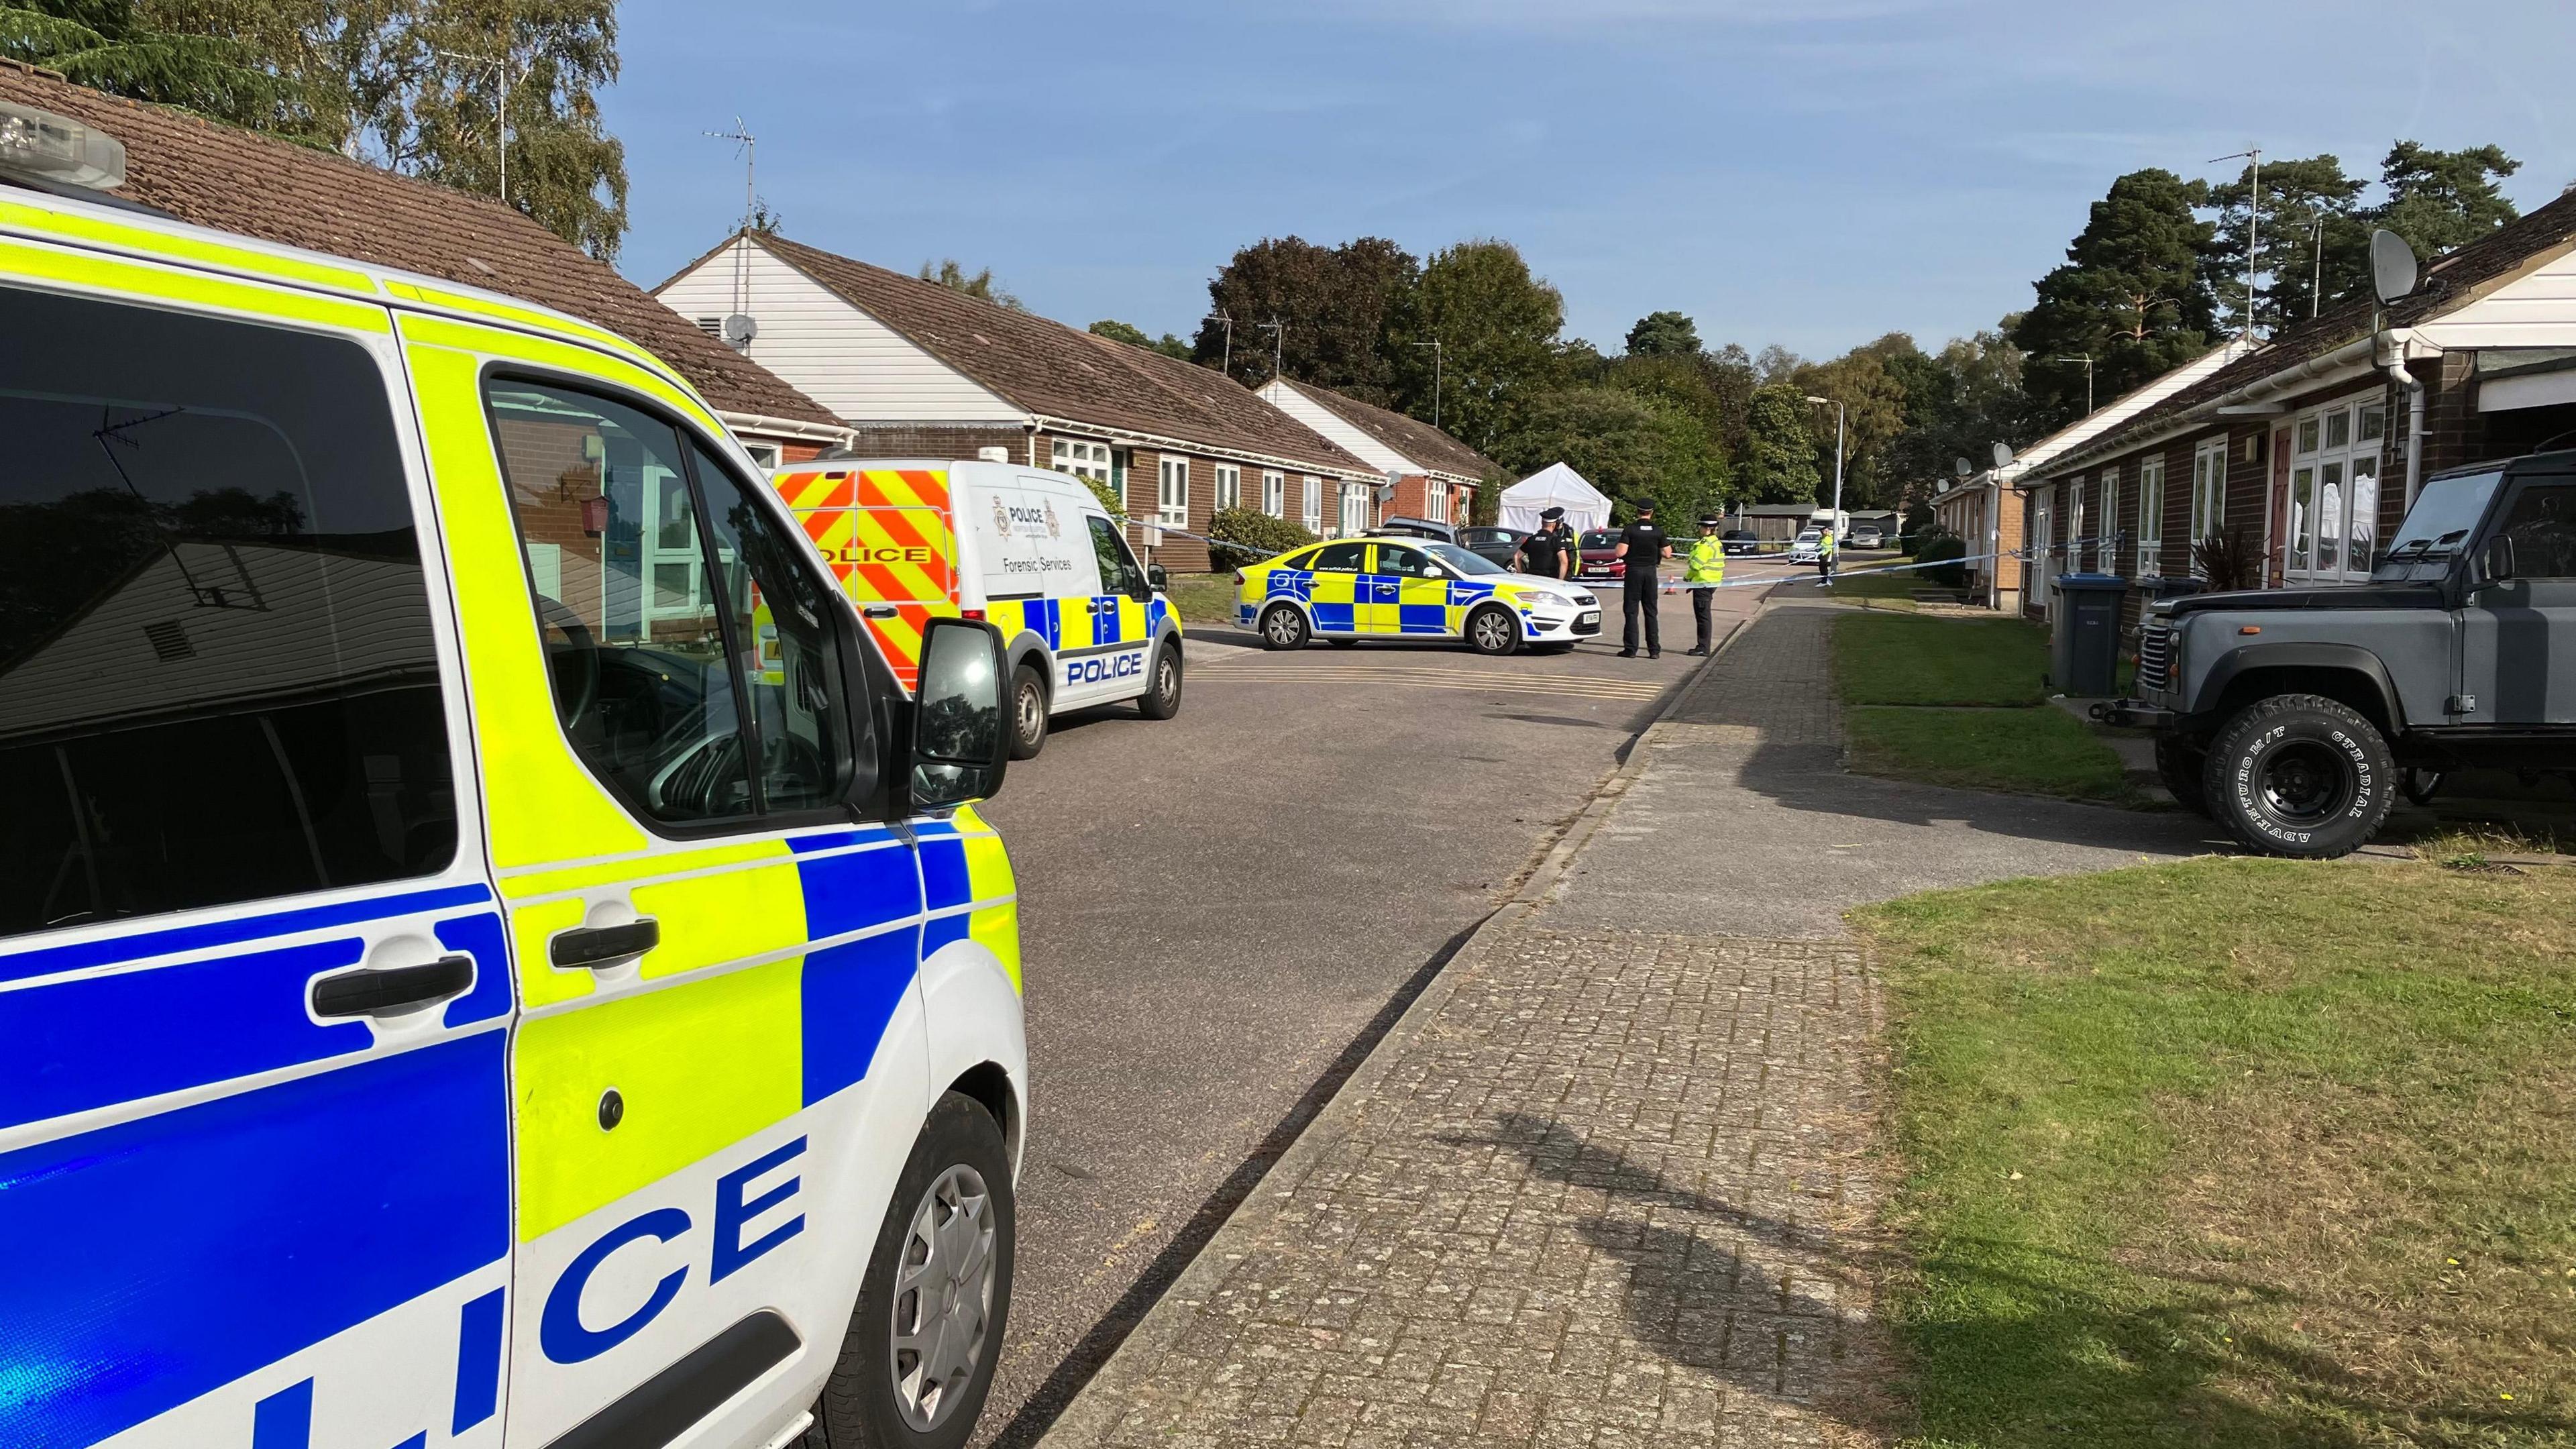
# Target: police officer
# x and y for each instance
(1704, 568)
(1549, 552)
(1825, 558)
(1641, 548)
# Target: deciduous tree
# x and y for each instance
(1134, 336)
(1633, 448)
(1334, 305)
(1497, 326)
(1778, 464)
(950, 273)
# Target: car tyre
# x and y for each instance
(1493, 630)
(2184, 768)
(1028, 712)
(2300, 775)
(1162, 696)
(952, 1214)
(1284, 628)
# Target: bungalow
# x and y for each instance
(2288, 463)
(920, 370)
(1435, 475)
(220, 176)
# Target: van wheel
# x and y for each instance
(1162, 698)
(1283, 628)
(1493, 631)
(2300, 775)
(917, 1361)
(1028, 713)
(2183, 767)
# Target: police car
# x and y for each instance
(485, 948)
(1408, 588)
(1028, 549)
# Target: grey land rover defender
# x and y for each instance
(2294, 716)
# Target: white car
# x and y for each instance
(1809, 547)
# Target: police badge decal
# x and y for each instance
(1054, 529)
(1001, 518)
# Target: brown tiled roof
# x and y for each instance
(220, 176)
(1409, 436)
(1051, 369)
(2448, 283)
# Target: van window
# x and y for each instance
(693, 667)
(218, 677)
(1118, 571)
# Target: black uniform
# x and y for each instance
(1646, 545)
(1545, 551)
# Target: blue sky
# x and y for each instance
(1807, 172)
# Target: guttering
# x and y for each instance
(2397, 373)
(2355, 358)
(1124, 437)
(788, 427)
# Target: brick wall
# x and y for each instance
(916, 441)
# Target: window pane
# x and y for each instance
(2542, 525)
(2307, 435)
(2362, 531)
(2338, 427)
(641, 680)
(1119, 573)
(218, 680)
(782, 620)
(2302, 519)
(1340, 557)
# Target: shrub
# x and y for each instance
(1105, 492)
(2228, 561)
(1948, 575)
(1248, 535)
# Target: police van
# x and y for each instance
(487, 952)
(1028, 550)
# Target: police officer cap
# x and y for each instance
(1551, 515)
(1710, 520)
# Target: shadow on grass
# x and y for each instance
(1998, 1357)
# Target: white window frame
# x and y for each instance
(1171, 493)
(1229, 486)
(767, 455)
(1274, 493)
(2208, 494)
(2151, 517)
(2076, 550)
(1435, 500)
(2110, 515)
(1355, 509)
(2314, 449)
(1079, 457)
(1314, 504)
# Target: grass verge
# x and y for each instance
(1203, 598)
(2237, 1152)
(2039, 751)
(1892, 659)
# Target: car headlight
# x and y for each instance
(1542, 599)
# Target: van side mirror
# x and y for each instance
(1157, 576)
(2498, 560)
(959, 745)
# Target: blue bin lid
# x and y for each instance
(2091, 581)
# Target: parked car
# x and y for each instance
(1419, 528)
(1808, 547)
(2293, 716)
(1600, 550)
(1868, 536)
(1493, 544)
(1740, 541)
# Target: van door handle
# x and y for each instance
(879, 611)
(599, 945)
(390, 988)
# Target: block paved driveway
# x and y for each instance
(1614, 1178)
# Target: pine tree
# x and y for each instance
(2133, 296)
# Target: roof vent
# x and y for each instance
(169, 641)
(712, 326)
(993, 455)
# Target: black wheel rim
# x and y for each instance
(2305, 782)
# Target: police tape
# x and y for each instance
(1676, 586)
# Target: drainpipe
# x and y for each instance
(2397, 373)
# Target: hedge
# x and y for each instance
(1248, 535)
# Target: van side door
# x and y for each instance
(721, 1056)
(1112, 664)
(254, 997)
(2518, 634)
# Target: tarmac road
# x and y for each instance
(1220, 910)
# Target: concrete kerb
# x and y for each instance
(1095, 1411)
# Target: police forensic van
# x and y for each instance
(486, 953)
(1029, 550)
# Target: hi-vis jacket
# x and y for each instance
(454, 978)
(1705, 563)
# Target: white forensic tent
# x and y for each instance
(1555, 486)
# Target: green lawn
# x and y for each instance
(1203, 598)
(2040, 751)
(1892, 659)
(2236, 1152)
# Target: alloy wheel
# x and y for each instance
(943, 1297)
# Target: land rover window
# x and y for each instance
(218, 675)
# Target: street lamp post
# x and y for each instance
(1838, 463)
(1438, 356)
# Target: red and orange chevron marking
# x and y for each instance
(886, 533)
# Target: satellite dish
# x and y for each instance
(739, 329)
(2003, 454)
(1962, 467)
(2392, 265)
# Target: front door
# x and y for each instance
(2518, 635)
(1337, 594)
(254, 999)
(720, 1021)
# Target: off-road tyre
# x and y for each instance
(1028, 712)
(2184, 768)
(1493, 630)
(1162, 696)
(859, 1404)
(1283, 627)
(2300, 775)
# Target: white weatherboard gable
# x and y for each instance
(834, 353)
(2536, 309)
(1354, 440)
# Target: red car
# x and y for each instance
(1600, 549)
